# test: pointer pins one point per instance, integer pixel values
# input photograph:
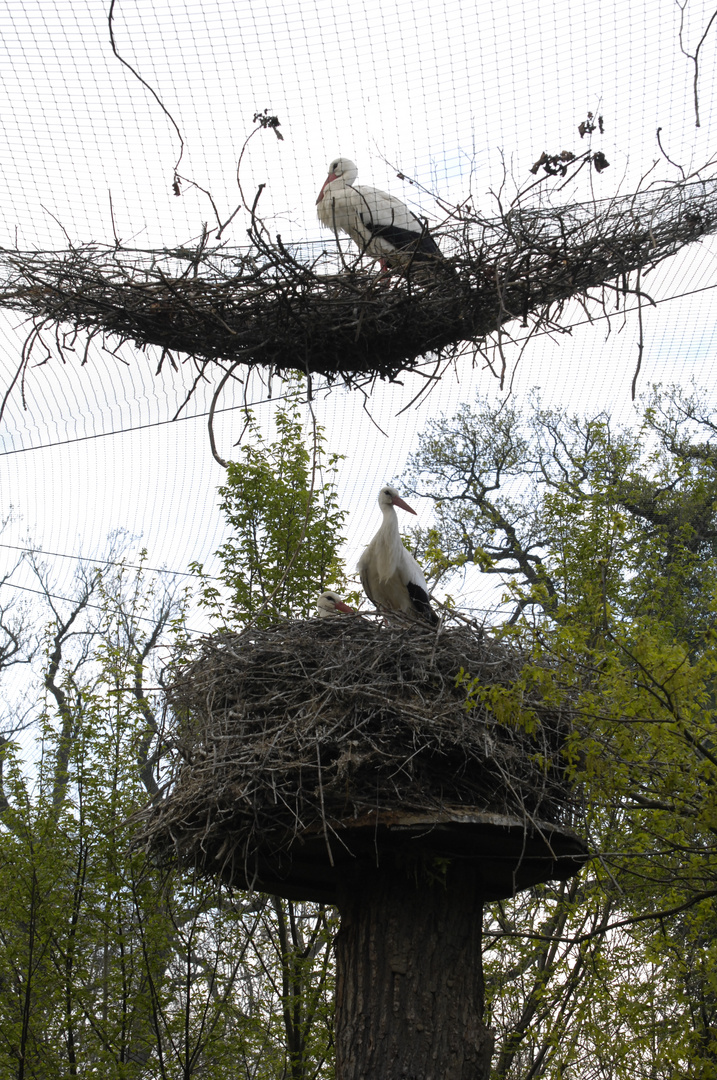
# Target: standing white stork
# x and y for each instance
(390, 575)
(380, 224)
(330, 603)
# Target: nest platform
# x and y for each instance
(321, 310)
(311, 748)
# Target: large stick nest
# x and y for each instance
(304, 727)
(335, 316)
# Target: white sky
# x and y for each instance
(440, 90)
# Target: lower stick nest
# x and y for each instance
(306, 727)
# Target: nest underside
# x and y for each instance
(270, 307)
(311, 725)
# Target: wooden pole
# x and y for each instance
(409, 1002)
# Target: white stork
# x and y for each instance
(330, 603)
(390, 575)
(380, 224)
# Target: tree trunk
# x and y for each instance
(409, 997)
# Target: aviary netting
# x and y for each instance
(323, 311)
(305, 732)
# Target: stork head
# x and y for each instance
(388, 496)
(339, 169)
(330, 603)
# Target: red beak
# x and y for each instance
(341, 606)
(329, 178)
(397, 501)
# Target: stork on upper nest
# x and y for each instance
(379, 223)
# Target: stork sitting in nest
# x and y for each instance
(330, 603)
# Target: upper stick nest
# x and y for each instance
(335, 316)
(307, 726)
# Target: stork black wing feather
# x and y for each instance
(404, 239)
(420, 601)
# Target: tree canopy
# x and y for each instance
(109, 964)
(604, 542)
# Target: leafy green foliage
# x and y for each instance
(109, 965)
(605, 543)
(281, 506)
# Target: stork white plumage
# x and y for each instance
(390, 575)
(379, 223)
(330, 603)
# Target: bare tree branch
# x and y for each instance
(694, 57)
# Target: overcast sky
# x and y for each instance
(447, 92)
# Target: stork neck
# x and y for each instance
(390, 520)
